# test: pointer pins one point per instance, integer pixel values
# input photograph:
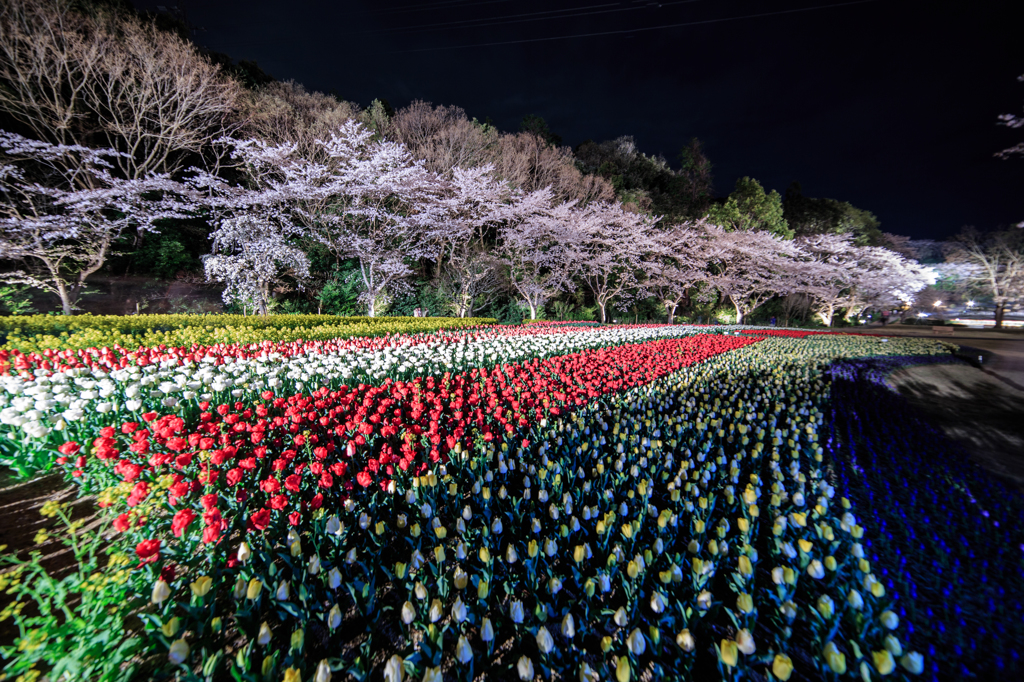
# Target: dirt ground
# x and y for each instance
(985, 414)
(981, 405)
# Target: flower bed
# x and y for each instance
(39, 333)
(951, 544)
(614, 501)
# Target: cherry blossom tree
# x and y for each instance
(250, 254)
(474, 203)
(752, 267)
(612, 243)
(382, 205)
(678, 263)
(993, 265)
(830, 274)
(540, 245)
(62, 208)
(885, 279)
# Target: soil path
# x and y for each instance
(982, 406)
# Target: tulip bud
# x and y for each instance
(510, 554)
(884, 662)
(283, 591)
(253, 591)
(334, 578)
(314, 565)
(729, 652)
(244, 552)
(334, 617)
(890, 621)
(777, 575)
(892, 645)
(835, 659)
(420, 590)
(745, 642)
(216, 624)
(620, 618)
(606, 644)
(268, 664)
(568, 626)
(460, 578)
(179, 652)
(323, 672)
(913, 663)
(825, 606)
(516, 611)
(459, 610)
(525, 668)
(264, 636)
(393, 671)
(636, 643)
(436, 610)
(486, 630)
(171, 627)
(485, 555)
(161, 591)
(463, 651)
(298, 638)
(782, 667)
(685, 640)
(816, 570)
(408, 612)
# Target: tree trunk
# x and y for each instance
(600, 308)
(1000, 313)
(670, 308)
(739, 313)
(65, 298)
(533, 309)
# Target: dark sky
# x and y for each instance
(888, 104)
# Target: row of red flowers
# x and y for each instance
(280, 458)
(115, 357)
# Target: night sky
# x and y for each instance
(888, 104)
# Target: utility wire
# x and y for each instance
(566, 13)
(637, 30)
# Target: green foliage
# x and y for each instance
(749, 207)
(77, 628)
(163, 254)
(426, 296)
(16, 299)
(648, 181)
(808, 216)
(532, 123)
(340, 294)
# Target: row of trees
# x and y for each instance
(365, 197)
(126, 131)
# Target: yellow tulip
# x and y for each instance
(884, 662)
(171, 627)
(622, 671)
(745, 603)
(253, 591)
(782, 667)
(746, 568)
(729, 652)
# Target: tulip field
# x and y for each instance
(548, 501)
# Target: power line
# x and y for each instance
(637, 30)
(566, 13)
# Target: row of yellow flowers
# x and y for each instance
(37, 333)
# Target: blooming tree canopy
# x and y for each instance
(612, 244)
(540, 247)
(62, 217)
